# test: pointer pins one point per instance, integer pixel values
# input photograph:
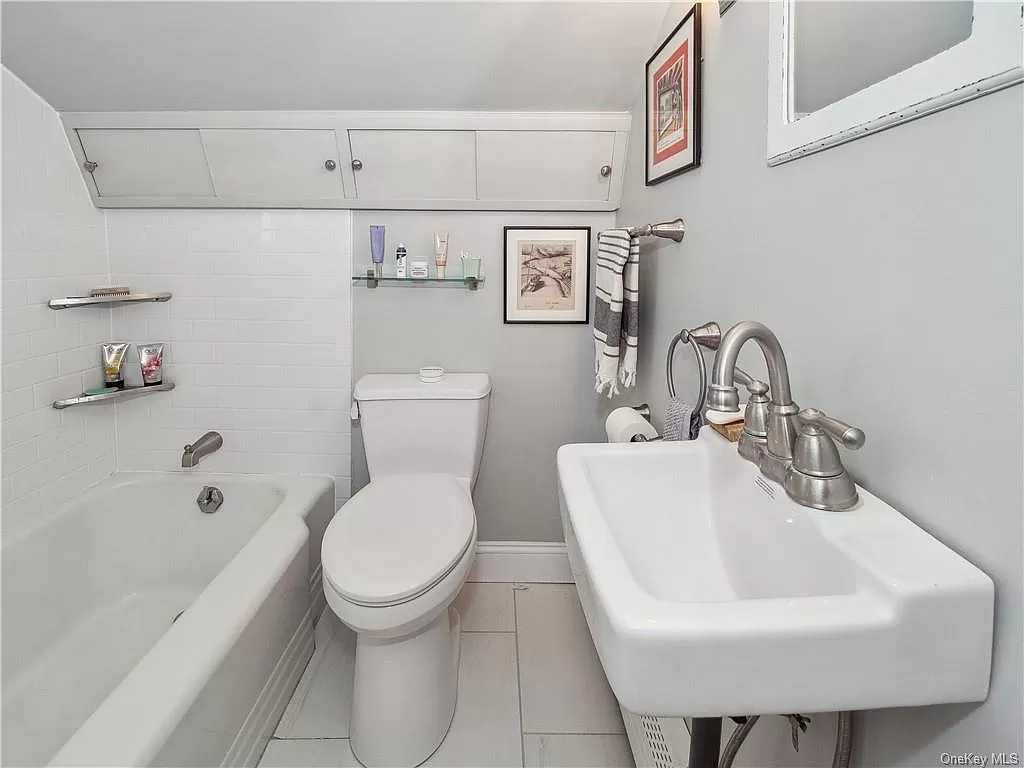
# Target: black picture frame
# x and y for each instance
(650, 178)
(582, 234)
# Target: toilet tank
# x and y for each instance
(413, 427)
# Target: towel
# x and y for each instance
(616, 310)
(681, 421)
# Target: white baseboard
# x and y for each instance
(543, 562)
(259, 726)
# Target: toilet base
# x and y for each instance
(405, 692)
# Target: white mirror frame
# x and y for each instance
(988, 60)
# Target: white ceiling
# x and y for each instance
(432, 54)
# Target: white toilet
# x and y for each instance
(397, 554)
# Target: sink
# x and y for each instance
(708, 592)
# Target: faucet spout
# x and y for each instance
(723, 397)
(204, 446)
(725, 365)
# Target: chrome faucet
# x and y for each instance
(781, 428)
(205, 445)
(799, 449)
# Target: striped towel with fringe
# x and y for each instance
(616, 310)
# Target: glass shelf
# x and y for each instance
(107, 301)
(118, 395)
(472, 283)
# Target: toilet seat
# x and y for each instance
(397, 538)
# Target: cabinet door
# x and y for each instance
(135, 162)
(274, 166)
(544, 165)
(414, 165)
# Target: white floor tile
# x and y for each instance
(485, 732)
(486, 607)
(322, 703)
(308, 753)
(563, 686)
(576, 751)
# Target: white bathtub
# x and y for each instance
(95, 673)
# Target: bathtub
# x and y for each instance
(97, 670)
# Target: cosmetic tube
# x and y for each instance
(401, 254)
(441, 252)
(113, 362)
(151, 357)
(377, 248)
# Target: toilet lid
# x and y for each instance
(397, 537)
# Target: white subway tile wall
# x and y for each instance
(54, 244)
(258, 338)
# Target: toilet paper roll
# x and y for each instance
(623, 424)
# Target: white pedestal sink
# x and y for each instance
(709, 592)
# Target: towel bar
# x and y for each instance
(673, 230)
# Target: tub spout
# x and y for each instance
(205, 445)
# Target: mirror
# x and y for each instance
(841, 69)
(829, 61)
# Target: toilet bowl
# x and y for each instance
(394, 559)
(396, 555)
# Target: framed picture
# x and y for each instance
(672, 102)
(547, 274)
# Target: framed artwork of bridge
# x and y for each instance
(547, 274)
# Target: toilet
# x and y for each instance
(396, 555)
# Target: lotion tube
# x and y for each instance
(377, 248)
(441, 252)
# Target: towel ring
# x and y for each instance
(707, 335)
(702, 368)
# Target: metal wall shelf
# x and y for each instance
(106, 301)
(371, 281)
(107, 396)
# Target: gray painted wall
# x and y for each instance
(889, 267)
(542, 374)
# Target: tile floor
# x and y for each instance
(531, 690)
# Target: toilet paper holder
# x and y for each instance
(644, 410)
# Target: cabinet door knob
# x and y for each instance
(90, 166)
(330, 165)
(357, 165)
(606, 171)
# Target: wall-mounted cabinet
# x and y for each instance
(431, 160)
(265, 164)
(124, 164)
(569, 166)
(414, 165)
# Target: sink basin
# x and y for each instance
(708, 592)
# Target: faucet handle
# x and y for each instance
(817, 477)
(753, 386)
(851, 437)
(814, 452)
